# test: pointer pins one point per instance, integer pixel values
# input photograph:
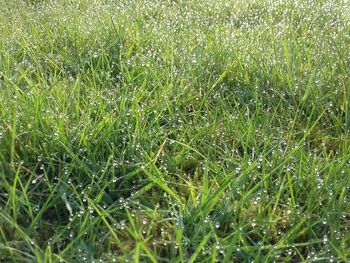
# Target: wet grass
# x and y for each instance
(180, 131)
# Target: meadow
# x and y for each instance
(174, 131)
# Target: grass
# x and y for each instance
(174, 131)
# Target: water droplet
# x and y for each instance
(254, 223)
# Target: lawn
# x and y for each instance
(174, 131)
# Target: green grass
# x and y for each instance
(174, 131)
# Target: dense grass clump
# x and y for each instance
(182, 131)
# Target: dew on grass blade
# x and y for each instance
(254, 223)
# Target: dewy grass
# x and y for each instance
(181, 131)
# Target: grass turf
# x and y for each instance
(197, 131)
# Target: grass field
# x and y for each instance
(173, 130)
